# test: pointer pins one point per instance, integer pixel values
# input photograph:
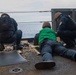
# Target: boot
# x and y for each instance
(45, 65)
(17, 47)
(2, 47)
(70, 46)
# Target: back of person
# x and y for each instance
(9, 32)
(6, 28)
(47, 33)
(68, 22)
(66, 30)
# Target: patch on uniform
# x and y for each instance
(60, 23)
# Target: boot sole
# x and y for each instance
(44, 65)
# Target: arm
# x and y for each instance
(66, 33)
(14, 23)
(67, 27)
(63, 23)
(36, 39)
(64, 29)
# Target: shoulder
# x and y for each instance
(12, 19)
(64, 18)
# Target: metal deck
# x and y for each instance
(63, 66)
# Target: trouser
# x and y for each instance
(18, 37)
(46, 52)
(68, 38)
(69, 41)
(15, 38)
(49, 47)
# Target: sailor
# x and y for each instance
(66, 29)
(9, 32)
(48, 45)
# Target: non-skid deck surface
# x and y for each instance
(63, 66)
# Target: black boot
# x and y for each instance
(45, 65)
(17, 47)
(70, 45)
(2, 47)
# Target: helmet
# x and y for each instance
(57, 15)
(46, 24)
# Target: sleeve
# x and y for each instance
(63, 23)
(15, 24)
(66, 33)
(36, 39)
(62, 26)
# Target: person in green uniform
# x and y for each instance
(48, 45)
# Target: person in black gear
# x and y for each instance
(11, 34)
(66, 30)
(49, 45)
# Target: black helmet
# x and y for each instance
(5, 15)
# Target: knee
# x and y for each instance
(44, 51)
(19, 32)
